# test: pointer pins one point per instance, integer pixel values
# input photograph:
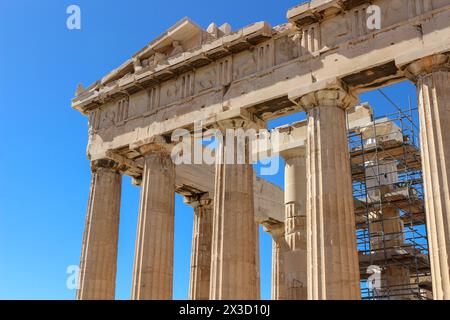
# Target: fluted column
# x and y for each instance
(432, 77)
(153, 262)
(279, 248)
(201, 247)
(97, 279)
(233, 271)
(295, 224)
(333, 271)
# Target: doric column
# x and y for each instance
(233, 271)
(432, 77)
(279, 248)
(201, 247)
(333, 271)
(153, 262)
(97, 279)
(295, 224)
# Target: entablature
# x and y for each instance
(253, 72)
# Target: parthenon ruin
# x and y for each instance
(353, 183)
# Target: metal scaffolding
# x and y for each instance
(389, 207)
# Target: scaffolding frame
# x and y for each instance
(405, 195)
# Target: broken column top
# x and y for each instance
(359, 116)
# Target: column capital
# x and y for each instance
(136, 181)
(274, 228)
(298, 152)
(198, 200)
(415, 70)
(105, 164)
(327, 93)
(155, 144)
(238, 123)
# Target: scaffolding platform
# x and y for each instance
(404, 199)
(414, 261)
(407, 155)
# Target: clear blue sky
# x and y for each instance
(45, 175)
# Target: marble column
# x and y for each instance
(153, 262)
(332, 262)
(201, 247)
(279, 248)
(432, 77)
(295, 224)
(233, 271)
(97, 279)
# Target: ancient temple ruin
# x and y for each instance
(363, 196)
